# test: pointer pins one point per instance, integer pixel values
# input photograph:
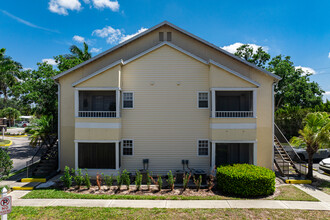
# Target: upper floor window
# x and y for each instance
(97, 104)
(161, 36)
(128, 100)
(169, 36)
(203, 147)
(203, 99)
(234, 104)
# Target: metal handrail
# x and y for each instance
(233, 114)
(278, 152)
(97, 114)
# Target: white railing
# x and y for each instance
(96, 114)
(233, 114)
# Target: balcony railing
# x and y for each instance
(233, 114)
(97, 114)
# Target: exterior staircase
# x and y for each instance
(286, 160)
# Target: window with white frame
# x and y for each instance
(203, 147)
(128, 100)
(127, 147)
(203, 99)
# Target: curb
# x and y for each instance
(30, 180)
(16, 136)
(22, 188)
(298, 181)
(7, 145)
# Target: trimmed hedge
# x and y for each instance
(246, 180)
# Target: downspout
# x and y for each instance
(273, 121)
(59, 125)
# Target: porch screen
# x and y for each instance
(230, 153)
(234, 101)
(97, 101)
(97, 155)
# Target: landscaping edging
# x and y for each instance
(7, 145)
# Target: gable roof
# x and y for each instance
(178, 29)
(121, 62)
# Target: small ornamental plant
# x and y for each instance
(148, 180)
(78, 178)
(186, 179)
(126, 179)
(138, 180)
(119, 181)
(87, 180)
(108, 181)
(67, 178)
(170, 180)
(198, 182)
(98, 181)
(159, 182)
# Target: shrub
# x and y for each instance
(87, 180)
(246, 180)
(78, 178)
(159, 182)
(198, 182)
(125, 178)
(6, 164)
(67, 178)
(108, 181)
(98, 181)
(148, 180)
(119, 181)
(138, 180)
(186, 179)
(170, 180)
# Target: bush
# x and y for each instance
(87, 180)
(148, 180)
(186, 179)
(198, 182)
(119, 181)
(67, 178)
(170, 180)
(126, 180)
(78, 177)
(108, 181)
(138, 180)
(6, 164)
(246, 180)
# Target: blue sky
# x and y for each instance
(32, 31)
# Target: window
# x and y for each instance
(97, 104)
(203, 147)
(161, 36)
(169, 36)
(203, 99)
(128, 99)
(231, 153)
(97, 155)
(127, 147)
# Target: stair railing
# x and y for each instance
(294, 157)
(35, 159)
(283, 161)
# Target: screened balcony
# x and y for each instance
(233, 104)
(98, 104)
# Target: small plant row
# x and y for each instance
(123, 178)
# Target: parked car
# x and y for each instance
(23, 124)
(325, 165)
(319, 155)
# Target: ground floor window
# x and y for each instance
(97, 155)
(230, 153)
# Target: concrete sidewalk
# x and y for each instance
(264, 204)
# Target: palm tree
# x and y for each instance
(9, 69)
(314, 136)
(11, 114)
(81, 54)
(44, 132)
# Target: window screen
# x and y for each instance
(230, 153)
(128, 99)
(97, 155)
(203, 100)
(234, 101)
(97, 101)
(203, 147)
(127, 147)
(169, 36)
(161, 36)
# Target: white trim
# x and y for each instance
(208, 99)
(97, 125)
(58, 125)
(117, 103)
(177, 28)
(234, 73)
(96, 88)
(76, 102)
(122, 101)
(254, 94)
(96, 141)
(122, 147)
(97, 72)
(255, 154)
(160, 45)
(273, 123)
(233, 125)
(117, 155)
(208, 147)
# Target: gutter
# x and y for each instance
(59, 125)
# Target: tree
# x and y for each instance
(295, 87)
(44, 132)
(314, 136)
(79, 53)
(6, 164)
(8, 72)
(11, 114)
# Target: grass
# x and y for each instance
(292, 193)
(324, 186)
(287, 192)
(156, 213)
(4, 142)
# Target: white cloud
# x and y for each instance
(115, 36)
(95, 50)
(326, 96)
(124, 38)
(233, 47)
(49, 61)
(27, 68)
(306, 70)
(100, 4)
(62, 6)
(78, 39)
(329, 55)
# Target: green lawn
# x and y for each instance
(130, 213)
(3, 143)
(287, 192)
(324, 186)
